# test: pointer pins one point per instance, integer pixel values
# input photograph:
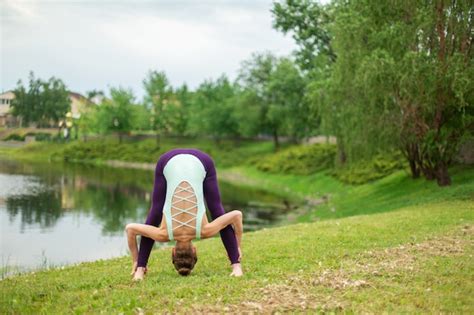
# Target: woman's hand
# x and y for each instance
(134, 267)
(236, 270)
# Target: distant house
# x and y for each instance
(79, 103)
(5, 101)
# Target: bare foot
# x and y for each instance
(236, 270)
(139, 274)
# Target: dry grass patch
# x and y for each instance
(326, 289)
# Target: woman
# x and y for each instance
(184, 179)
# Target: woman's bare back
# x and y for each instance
(184, 212)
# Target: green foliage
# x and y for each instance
(400, 80)
(140, 117)
(159, 99)
(273, 95)
(14, 137)
(41, 101)
(306, 160)
(143, 151)
(213, 110)
(302, 160)
(365, 171)
(309, 22)
(226, 154)
(40, 136)
(117, 113)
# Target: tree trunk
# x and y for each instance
(411, 154)
(429, 172)
(415, 171)
(275, 140)
(341, 152)
(442, 175)
(158, 140)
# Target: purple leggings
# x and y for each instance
(211, 196)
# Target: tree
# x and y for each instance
(180, 111)
(273, 95)
(141, 117)
(158, 95)
(288, 111)
(401, 79)
(213, 111)
(117, 113)
(309, 23)
(95, 96)
(42, 102)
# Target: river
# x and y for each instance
(54, 214)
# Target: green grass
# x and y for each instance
(387, 194)
(294, 186)
(294, 256)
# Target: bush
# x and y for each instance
(14, 137)
(43, 136)
(369, 170)
(300, 160)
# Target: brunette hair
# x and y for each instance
(184, 258)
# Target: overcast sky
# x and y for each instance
(99, 44)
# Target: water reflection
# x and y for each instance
(63, 202)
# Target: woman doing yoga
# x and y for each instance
(184, 180)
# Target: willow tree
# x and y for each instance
(403, 78)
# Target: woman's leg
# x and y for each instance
(155, 215)
(213, 201)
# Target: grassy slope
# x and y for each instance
(390, 193)
(311, 263)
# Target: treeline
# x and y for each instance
(386, 75)
(381, 76)
(265, 99)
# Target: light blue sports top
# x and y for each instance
(184, 167)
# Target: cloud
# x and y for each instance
(95, 45)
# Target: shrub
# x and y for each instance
(368, 170)
(43, 136)
(300, 160)
(14, 137)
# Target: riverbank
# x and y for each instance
(323, 196)
(392, 245)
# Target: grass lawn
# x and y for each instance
(416, 259)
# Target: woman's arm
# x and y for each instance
(134, 229)
(230, 218)
(150, 231)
